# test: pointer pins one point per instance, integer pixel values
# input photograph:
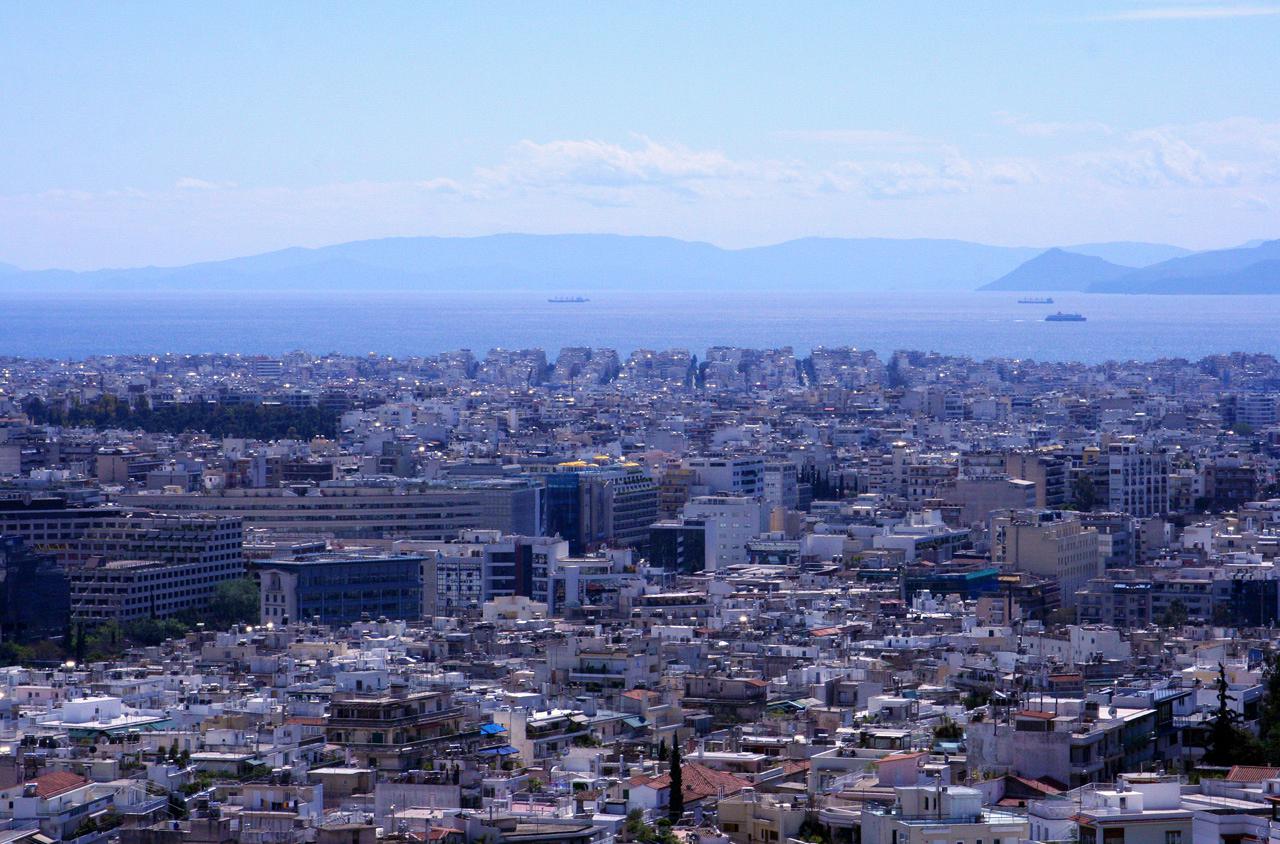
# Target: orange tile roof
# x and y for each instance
(1251, 773)
(51, 785)
(701, 782)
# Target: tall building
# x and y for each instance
(35, 594)
(730, 522)
(741, 476)
(131, 590)
(1050, 544)
(1138, 480)
(782, 484)
(339, 588)
(592, 505)
(1047, 471)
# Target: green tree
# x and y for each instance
(1083, 493)
(234, 602)
(1269, 712)
(1228, 743)
(1175, 615)
(675, 806)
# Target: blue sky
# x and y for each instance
(166, 133)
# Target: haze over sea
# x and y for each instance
(980, 325)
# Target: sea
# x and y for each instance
(979, 325)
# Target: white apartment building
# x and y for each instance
(1137, 481)
(731, 522)
(739, 476)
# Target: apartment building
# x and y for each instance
(427, 510)
(925, 814)
(130, 590)
(1049, 544)
(1138, 480)
(394, 729)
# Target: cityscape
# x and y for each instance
(825, 422)
(505, 597)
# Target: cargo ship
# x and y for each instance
(1061, 317)
(1045, 301)
(568, 300)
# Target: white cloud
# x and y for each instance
(882, 139)
(1052, 129)
(1189, 12)
(192, 183)
(593, 163)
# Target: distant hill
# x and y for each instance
(1247, 269)
(569, 264)
(1058, 269)
(1128, 253)
(575, 264)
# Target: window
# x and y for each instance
(1173, 836)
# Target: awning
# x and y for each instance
(505, 750)
(634, 722)
(491, 729)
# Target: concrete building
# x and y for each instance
(925, 814)
(428, 510)
(340, 589)
(1047, 471)
(393, 729)
(1049, 544)
(590, 505)
(1138, 480)
(730, 522)
(736, 476)
(130, 590)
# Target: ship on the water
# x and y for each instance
(1045, 301)
(563, 300)
(1061, 317)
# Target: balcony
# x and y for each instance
(428, 717)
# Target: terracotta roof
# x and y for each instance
(640, 694)
(754, 682)
(1251, 773)
(305, 721)
(1032, 713)
(1045, 786)
(902, 757)
(701, 782)
(51, 785)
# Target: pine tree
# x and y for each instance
(1228, 744)
(675, 806)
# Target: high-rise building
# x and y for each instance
(1048, 543)
(592, 505)
(730, 522)
(1138, 480)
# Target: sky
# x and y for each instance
(168, 133)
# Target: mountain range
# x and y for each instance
(1252, 268)
(584, 264)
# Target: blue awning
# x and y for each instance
(505, 750)
(491, 729)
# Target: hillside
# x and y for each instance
(1057, 269)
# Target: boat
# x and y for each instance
(1045, 301)
(1061, 317)
(564, 300)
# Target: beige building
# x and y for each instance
(1048, 543)
(752, 818)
